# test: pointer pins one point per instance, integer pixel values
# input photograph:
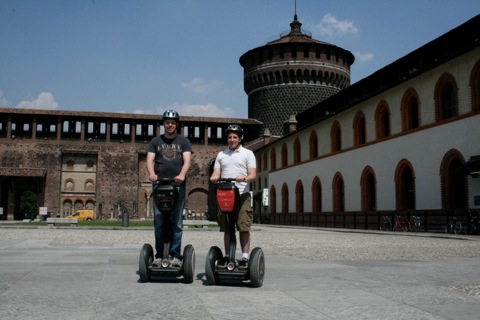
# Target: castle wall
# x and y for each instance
(70, 170)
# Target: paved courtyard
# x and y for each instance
(78, 273)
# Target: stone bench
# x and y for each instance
(193, 223)
(53, 221)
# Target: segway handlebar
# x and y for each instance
(167, 180)
(226, 180)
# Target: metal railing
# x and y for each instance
(430, 220)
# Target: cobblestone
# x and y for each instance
(312, 244)
(310, 274)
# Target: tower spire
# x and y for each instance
(295, 26)
(295, 16)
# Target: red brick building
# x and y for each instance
(93, 160)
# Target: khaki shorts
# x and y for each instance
(245, 216)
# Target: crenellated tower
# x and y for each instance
(290, 74)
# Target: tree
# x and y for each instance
(28, 204)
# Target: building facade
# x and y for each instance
(404, 138)
(94, 160)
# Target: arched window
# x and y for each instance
(313, 144)
(475, 87)
(359, 129)
(90, 205)
(67, 208)
(446, 98)
(382, 120)
(89, 185)
(296, 151)
(405, 192)
(273, 159)
(336, 137)
(284, 155)
(78, 205)
(299, 196)
(90, 165)
(284, 198)
(265, 162)
(338, 193)
(273, 200)
(368, 190)
(316, 195)
(69, 185)
(410, 110)
(454, 186)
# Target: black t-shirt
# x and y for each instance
(169, 154)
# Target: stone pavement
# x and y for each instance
(40, 279)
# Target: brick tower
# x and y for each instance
(290, 74)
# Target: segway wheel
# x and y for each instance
(188, 263)
(213, 255)
(145, 261)
(256, 267)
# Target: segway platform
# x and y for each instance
(147, 269)
(228, 200)
(166, 198)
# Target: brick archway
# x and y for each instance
(338, 187)
(299, 196)
(284, 198)
(410, 110)
(453, 182)
(368, 183)
(405, 193)
(316, 195)
(273, 200)
(475, 87)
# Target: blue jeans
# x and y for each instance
(173, 221)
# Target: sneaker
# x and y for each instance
(157, 262)
(222, 263)
(176, 262)
(243, 264)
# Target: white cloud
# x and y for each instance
(197, 110)
(198, 85)
(142, 111)
(3, 101)
(330, 26)
(364, 57)
(44, 101)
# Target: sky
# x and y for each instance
(147, 56)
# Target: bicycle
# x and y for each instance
(400, 224)
(453, 226)
(473, 224)
(414, 223)
(385, 223)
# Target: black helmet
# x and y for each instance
(235, 128)
(171, 114)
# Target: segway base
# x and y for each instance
(165, 199)
(169, 271)
(228, 203)
(234, 275)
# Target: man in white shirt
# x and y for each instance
(239, 163)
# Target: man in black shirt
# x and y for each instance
(169, 156)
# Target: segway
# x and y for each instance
(228, 199)
(165, 198)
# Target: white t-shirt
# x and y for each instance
(235, 163)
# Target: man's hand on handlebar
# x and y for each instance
(216, 179)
